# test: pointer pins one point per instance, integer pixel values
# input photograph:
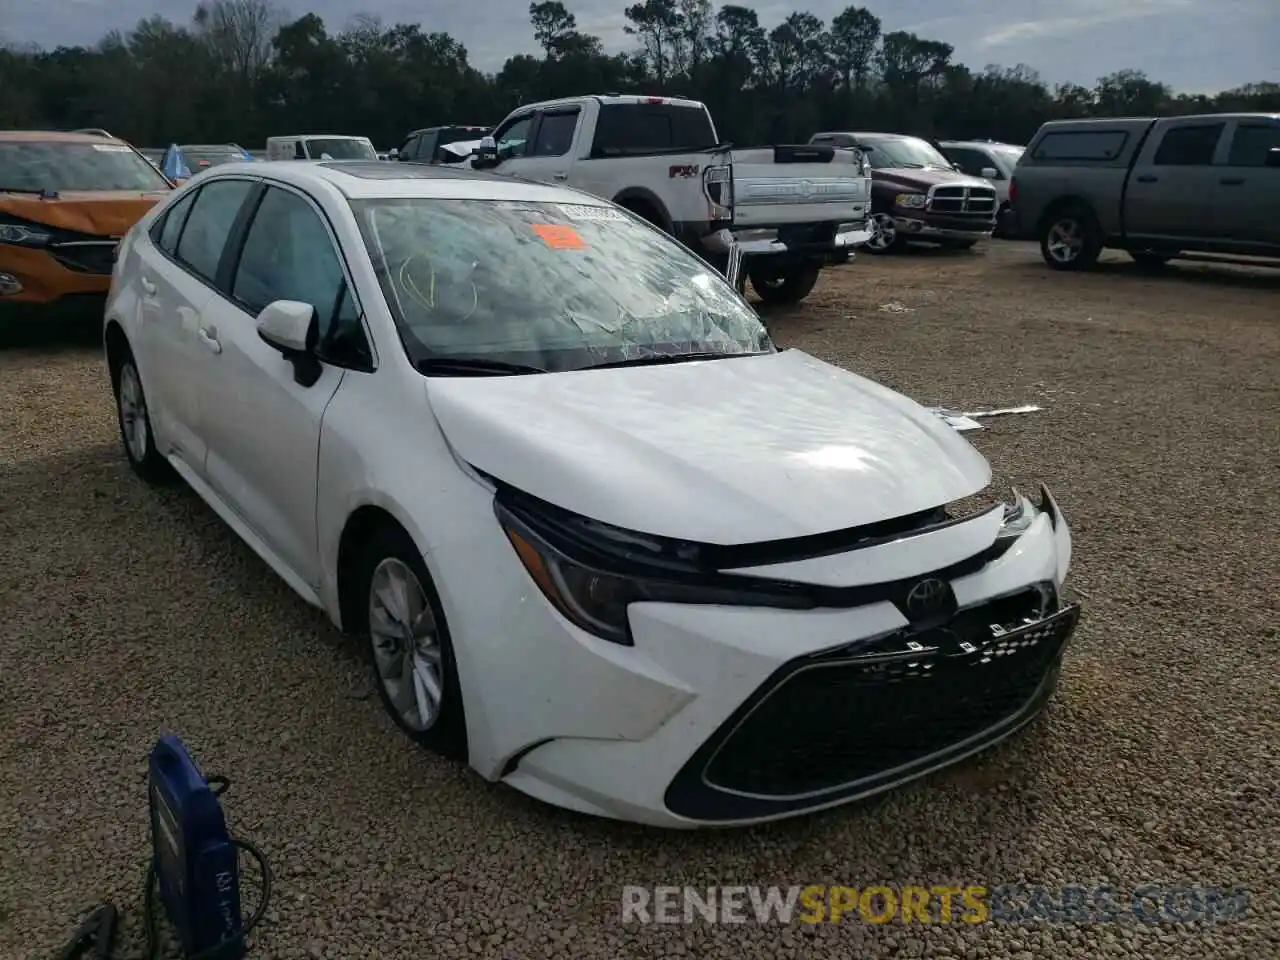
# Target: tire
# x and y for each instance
(133, 416)
(393, 586)
(789, 286)
(1150, 259)
(1070, 239)
(885, 237)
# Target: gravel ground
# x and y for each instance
(128, 612)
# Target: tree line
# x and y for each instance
(241, 71)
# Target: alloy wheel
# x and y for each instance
(406, 644)
(883, 232)
(133, 413)
(1065, 240)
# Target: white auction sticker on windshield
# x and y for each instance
(575, 211)
(110, 148)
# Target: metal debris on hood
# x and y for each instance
(964, 422)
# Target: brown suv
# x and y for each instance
(917, 194)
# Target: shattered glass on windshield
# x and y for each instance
(548, 286)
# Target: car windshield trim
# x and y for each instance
(546, 286)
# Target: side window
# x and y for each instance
(1190, 146)
(427, 146)
(969, 161)
(209, 223)
(410, 149)
(165, 231)
(1252, 142)
(299, 151)
(288, 255)
(514, 140)
(555, 134)
(1088, 145)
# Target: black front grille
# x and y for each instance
(964, 201)
(87, 256)
(858, 720)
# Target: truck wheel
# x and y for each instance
(787, 286)
(1070, 239)
(884, 235)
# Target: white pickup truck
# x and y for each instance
(788, 210)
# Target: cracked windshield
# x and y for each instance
(547, 286)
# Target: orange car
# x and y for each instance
(65, 199)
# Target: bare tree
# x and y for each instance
(239, 34)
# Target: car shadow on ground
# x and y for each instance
(1239, 276)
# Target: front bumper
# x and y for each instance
(662, 732)
(942, 229)
(35, 276)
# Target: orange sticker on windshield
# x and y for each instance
(559, 237)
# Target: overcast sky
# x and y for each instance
(1192, 45)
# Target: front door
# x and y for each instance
(1247, 194)
(263, 428)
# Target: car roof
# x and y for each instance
(54, 136)
(378, 179)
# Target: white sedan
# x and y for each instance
(605, 541)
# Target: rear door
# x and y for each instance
(263, 427)
(1247, 204)
(1173, 186)
(176, 275)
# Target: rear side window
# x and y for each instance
(410, 148)
(1095, 145)
(1251, 144)
(969, 161)
(1190, 146)
(165, 233)
(209, 224)
(625, 128)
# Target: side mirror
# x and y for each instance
(1273, 157)
(289, 326)
(990, 173)
(485, 154)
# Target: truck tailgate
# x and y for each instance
(776, 186)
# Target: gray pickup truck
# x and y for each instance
(1157, 188)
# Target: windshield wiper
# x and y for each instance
(48, 194)
(660, 358)
(471, 367)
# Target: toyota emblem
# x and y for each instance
(926, 598)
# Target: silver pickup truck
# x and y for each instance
(1157, 188)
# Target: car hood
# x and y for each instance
(105, 213)
(922, 179)
(730, 451)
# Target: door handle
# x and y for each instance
(209, 340)
(1147, 178)
(1232, 181)
(560, 176)
(148, 287)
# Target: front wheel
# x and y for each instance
(1070, 240)
(884, 235)
(413, 663)
(786, 286)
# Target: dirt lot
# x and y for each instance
(128, 612)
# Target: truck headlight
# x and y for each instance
(911, 201)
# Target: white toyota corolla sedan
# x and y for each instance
(606, 542)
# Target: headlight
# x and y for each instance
(1018, 517)
(912, 201)
(593, 593)
(23, 236)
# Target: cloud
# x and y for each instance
(1092, 13)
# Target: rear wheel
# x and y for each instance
(1070, 239)
(136, 436)
(785, 286)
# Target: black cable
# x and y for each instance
(219, 786)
